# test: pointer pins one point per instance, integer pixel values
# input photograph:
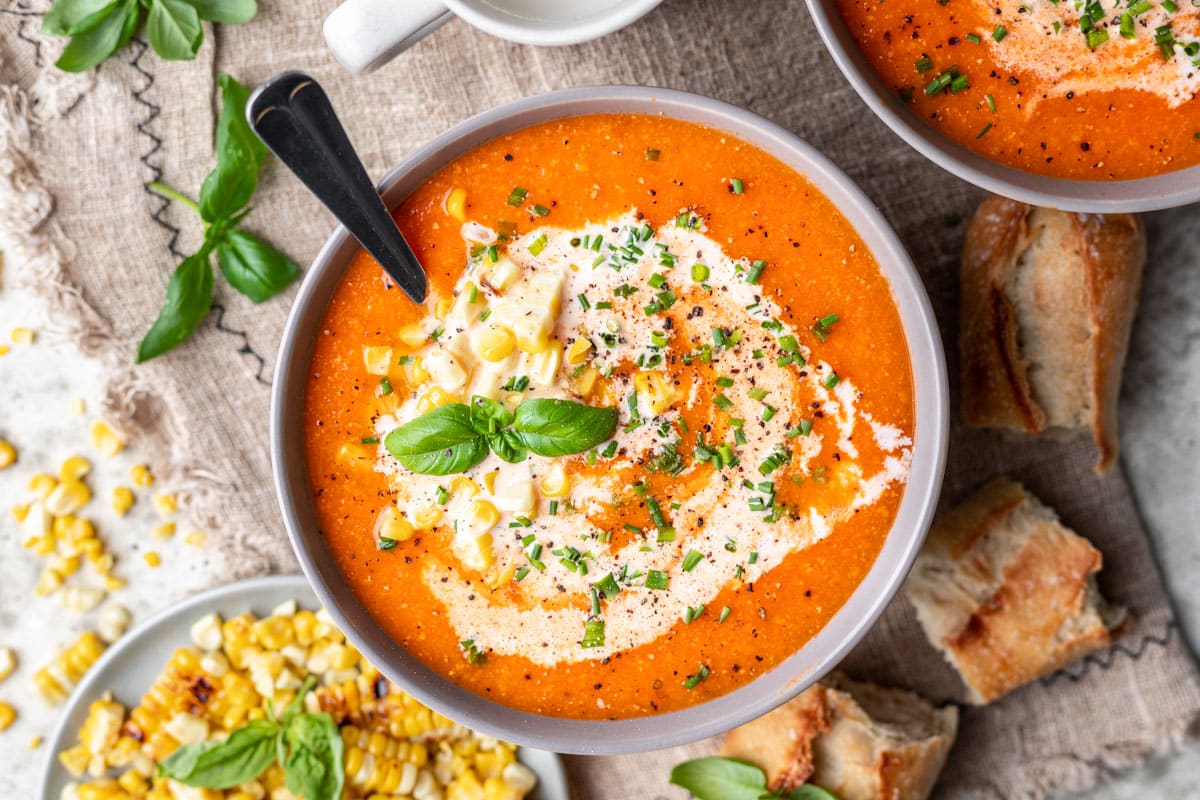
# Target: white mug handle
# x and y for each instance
(365, 34)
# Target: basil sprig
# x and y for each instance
(99, 28)
(250, 265)
(308, 746)
(455, 437)
(717, 778)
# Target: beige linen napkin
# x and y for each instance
(76, 222)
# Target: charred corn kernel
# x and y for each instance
(133, 782)
(42, 485)
(195, 538)
(75, 759)
(22, 336)
(587, 382)
(436, 397)
(493, 342)
(67, 497)
(165, 503)
(164, 531)
(141, 476)
(456, 203)
(102, 727)
(112, 622)
(8, 715)
(555, 482)
(8, 455)
(274, 633)
(20, 512)
(378, 360)
(390, 524)
(413, 336)
(106, 440)
(578, 351)
(237, 639)
(122, 500)
(305, 623)
(8, 663)
(152, 558)
(78, 407)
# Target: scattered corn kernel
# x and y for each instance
(493, 342)
(23, 336)
(152, 558)
(122, 500)
(67, 498)
(112, 622)
(141, 476)
(456, 204)
(165, 504)
(20, 512)
(42, 485)
(391, 525)
(35, 742)
(555, 482)
(8, 662)
(195, 538)
(378, 360)
(80, 599)
(8, 455)
(78, 407)
(8, 715)
(74, 468)
(164, 531)
(113, 583)
(106, 440)
(5, 349)
(413, 336)
(577, 351)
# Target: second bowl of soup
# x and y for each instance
(656, 450)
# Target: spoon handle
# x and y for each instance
(293, 116)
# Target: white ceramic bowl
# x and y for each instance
(129, 667)
(1103, 197)
(795, 673)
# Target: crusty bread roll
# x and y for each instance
(1007, 593)
(858, 740)
(1048, 300)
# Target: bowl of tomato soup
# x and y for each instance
(658, 448)
(1086, 106)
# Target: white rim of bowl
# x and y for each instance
(1168, 190)
(794, 673)
(509, 26)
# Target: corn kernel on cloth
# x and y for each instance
(76, 223)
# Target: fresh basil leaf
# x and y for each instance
(313, 768)
(173, 28)
(488, 416)
(563, 427)
(294, 707)
(73, 17)
(242, 757)
(810, 791)
(232, 12)
(508, 445)
(253, 267)
(189, 297)
(441, 442)
(240, 155)
(716, 778)
(102, 40)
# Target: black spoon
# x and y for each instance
(293, 116)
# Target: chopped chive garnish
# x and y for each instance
(370, 440)
(700, 272)
(758, 393)
(768, 413)
(973, 38)
(986, 128)
(517, 196)
(831, 380)
(608, 586)
(999, 33)
(923, 64)
(722, 402)
(692, 559)
(960, 83)
(788, 344)
(472, 652)
(1096, 37)
(473, 294)
(724, 382)
(756, 270)
(539, 211)
(593, 633)
(520, 574)
(736, 186)
(385, 387)
(657, 281)
(538, 245)
(991, 102)
(1170, 6)
(384, 543)
(652, 154)
(634, 529)
(583, 301)
(695, 680)
(656, 579)
(666, 534)
(610, 449)
(554, 508)
(753, 557)
(1139, 7)
(725, 612)
(442, 495)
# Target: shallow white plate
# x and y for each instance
(132, 664)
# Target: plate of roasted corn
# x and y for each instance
(250, 692)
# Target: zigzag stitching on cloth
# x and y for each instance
(37, 45)
(1105, 660)
(153, 110)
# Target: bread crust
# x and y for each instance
(1109, 252)
(1007, 593)
(858, 740)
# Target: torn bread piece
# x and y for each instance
(858, 740)
(1048, 301)
(1008, 593)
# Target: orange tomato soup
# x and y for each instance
(689, 286)
(1102, 90)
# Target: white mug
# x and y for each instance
(364, 34)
